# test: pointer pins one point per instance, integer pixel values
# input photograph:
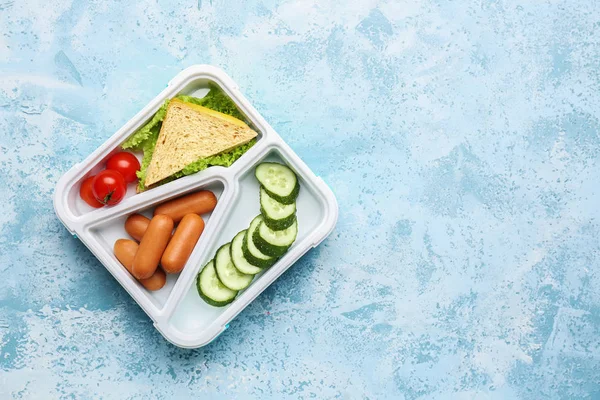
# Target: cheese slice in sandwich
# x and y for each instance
(190, 132)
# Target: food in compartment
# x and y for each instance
(276, 215)
(279, 181)
(237, 255)
(126, 164)
(109, 186)
(251, 253)
(210, 288)
(152, 246)
(257, 248)
(226, 271)
(182, 243)
(125, 250)
(136, 225)
(201, 202)
(274, 243)
(87, 194)
(190, 132)
(195, 133)
(160, 251)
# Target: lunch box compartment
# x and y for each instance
(79, 207)
(193, 316)
(177, 310)
(196, 88)
(107, 232)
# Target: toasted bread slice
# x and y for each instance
(190, 132)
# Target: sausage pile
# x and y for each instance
(161, 251)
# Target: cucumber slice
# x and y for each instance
(211, 289)
(251, 252)
(276, 215)
(279, 181)
(274, 243)
(226, 271)
(237, 256)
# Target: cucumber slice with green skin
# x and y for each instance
(277, 216)
(274, 243)
(252, 254)
(237, 256)
(286, 199)
(226, 271)
(211, 289)
(279, 181)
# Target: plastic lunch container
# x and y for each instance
(177, 310)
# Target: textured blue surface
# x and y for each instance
(462, 141)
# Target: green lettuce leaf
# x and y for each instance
(148, 150)
(146, 137)
(224, 160)
(148, 132)
(219, 101)
(191, 99)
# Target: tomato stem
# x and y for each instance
(108, 197)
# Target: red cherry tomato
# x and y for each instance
(86, 193)
(125, 163)
(109, 187)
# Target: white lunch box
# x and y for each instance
(177, 310)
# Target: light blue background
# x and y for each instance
(460, 137)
